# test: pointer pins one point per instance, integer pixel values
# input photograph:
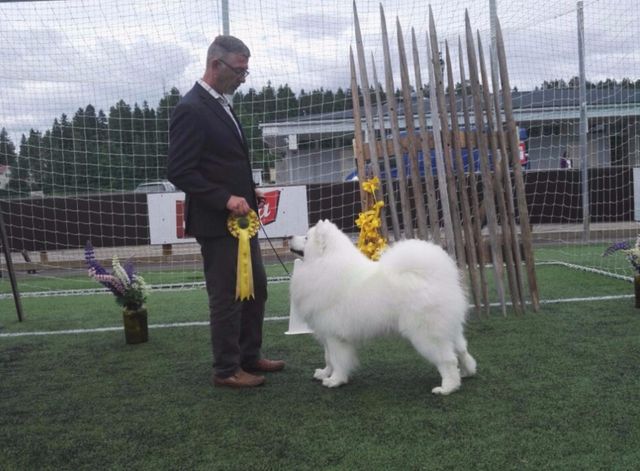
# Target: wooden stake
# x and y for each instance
(416, 179)
(469, 240)
(487, 180)
(508, 189)
(505, 225)
(368, 111)
(446, 144)
(440, 166)
(392, 104)
(393, 207)
(473, 185)
(13, 279)
(432, 201)
(357, 129)
(525, 228)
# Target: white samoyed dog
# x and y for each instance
(415, 289)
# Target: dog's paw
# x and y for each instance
(322, 373)
(443, 391)
(467, 373)
(468, 366)
(333, 382)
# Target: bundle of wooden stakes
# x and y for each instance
(451, 207)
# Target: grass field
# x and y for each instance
(555, 389)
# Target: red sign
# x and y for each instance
(269, 212)
(180, 219)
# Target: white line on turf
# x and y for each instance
(111, 329)
(280, 318)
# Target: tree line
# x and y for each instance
(93, 151)
(574, 82)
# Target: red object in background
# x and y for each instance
(524, 157)
(180, 219)
(269, 212)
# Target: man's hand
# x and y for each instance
(260, 198)
(238, 206)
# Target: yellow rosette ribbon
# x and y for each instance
(244, 228)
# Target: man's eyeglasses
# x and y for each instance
(236, 70)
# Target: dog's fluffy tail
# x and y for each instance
(426, 266)
(419, 256)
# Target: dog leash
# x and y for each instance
(274, 251)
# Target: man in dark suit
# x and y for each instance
(209, 161)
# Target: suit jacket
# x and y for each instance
(209, 161)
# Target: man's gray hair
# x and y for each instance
(225, 44)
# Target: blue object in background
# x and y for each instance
(475, 163)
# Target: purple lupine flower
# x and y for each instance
(128, 288)
(90, 259)
(117, 286)
(129, 270)
(631, 251)
(108, 281)
(625, 245)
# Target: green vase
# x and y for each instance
(135, 324)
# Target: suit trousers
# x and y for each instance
(236, 326)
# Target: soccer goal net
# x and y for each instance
(88, 88)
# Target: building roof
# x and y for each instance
(528, 106)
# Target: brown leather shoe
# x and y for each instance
(240, 379)
(266, 366)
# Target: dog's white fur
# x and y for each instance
(415, 289)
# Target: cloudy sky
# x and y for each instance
(62, 55)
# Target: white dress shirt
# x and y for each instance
(222, 100)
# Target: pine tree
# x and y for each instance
(149, 122)
(120, 146)
(163, 115)
(138, 158)
(30, 151)
(60, 156)
(20, 183)
(46, 157)
(104, 172)
(286, 102)
(84, 149)
(8, 160)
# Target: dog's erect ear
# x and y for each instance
(320, 234)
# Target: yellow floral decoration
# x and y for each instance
(370, 242)
(244, 228)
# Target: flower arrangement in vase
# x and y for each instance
(129, 289)
(632, 252)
